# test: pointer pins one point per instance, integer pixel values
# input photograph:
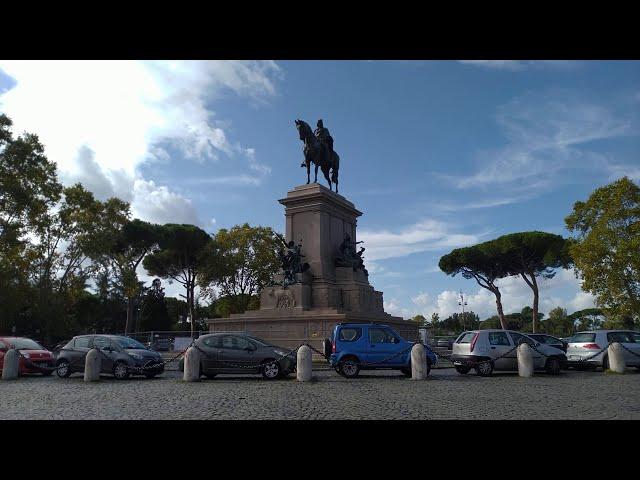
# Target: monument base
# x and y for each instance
(293, 326)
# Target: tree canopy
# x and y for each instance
(605, 246)
(485, 263)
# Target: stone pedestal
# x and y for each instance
(325, 294)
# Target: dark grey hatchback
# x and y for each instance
(121, 356)
(242, 353)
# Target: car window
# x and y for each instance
(350, 334)
(101, 342)
(550, 340)
(235, 343)
(622, 337)
(380, 335)
(82, 342)
(498, 338)
(2, 345)
(466, 337)
(583, 338)
(518, 338)
(635, 336)
(213, 342)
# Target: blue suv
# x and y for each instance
(363, 346)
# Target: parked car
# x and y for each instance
(29, 349)
(121, 355)
(242, 353)
(584, 344)
(445, 342)
(160, 344)
(364, 346)
(549, 340)
(477, 345)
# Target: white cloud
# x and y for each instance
(425, 235)
(519, 65)
(159, 205)
(548, 136)
(100, 120)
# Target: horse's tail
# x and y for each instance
(336, 162)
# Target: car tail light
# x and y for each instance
(333, 346)
(592, 346)
(474, 340)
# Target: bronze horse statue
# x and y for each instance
(318, 153)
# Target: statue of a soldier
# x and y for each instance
(325, 138)
(348, 255)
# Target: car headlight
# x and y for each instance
(136, 356)
(280, 353)
(25, 354)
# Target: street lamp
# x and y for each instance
(463, 304)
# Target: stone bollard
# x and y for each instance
(92, 366)
(525, 360)
(418, 362)
(10, 368)
(304, 364)
(191, 365)
(616, 358)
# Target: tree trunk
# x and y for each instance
(499, 307)
(535, 303)
(129, 315)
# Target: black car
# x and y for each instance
(121, 356)
(549, 340)
(242, 353)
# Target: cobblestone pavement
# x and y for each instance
(373, 395)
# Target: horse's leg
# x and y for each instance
(308, 171)
(316, 180)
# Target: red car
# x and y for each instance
(30, 349)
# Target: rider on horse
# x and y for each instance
(325, 138)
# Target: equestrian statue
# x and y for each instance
(318, 149)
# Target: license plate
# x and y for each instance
(574, 357)
(457, 363)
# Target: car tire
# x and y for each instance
(349, 368)
(406, 371)
(270, 369)
(63, 370)
(605, 364)
(121, 371)
(484, 369)
(210, 376)
(462, 370)
(552, 366)
(150, 375)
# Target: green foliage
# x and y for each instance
(534, 254)
(485, 262)
(153, 313)
(454, 324)
(238, 264)
(518, 321)
(606, 248)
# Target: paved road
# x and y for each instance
(374, 395)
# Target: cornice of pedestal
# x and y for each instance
(314, 196)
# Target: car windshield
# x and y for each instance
(25, 344)
(583, 338)
(126, 342)
(260, 341)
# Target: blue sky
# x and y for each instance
(437, 154)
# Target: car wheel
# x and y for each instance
(150, 375)
(270, 370)
(462, 370)
(406, 371)
(63, 370)
(121, 371)
(484, 369)
(210, 376)
(349, 368)
(605, 364)
(327, 348)
(552, 366)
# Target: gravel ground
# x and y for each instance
(373, 395)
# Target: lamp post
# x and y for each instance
(462, 303)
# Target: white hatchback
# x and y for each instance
(489, 350)
(589, 348)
